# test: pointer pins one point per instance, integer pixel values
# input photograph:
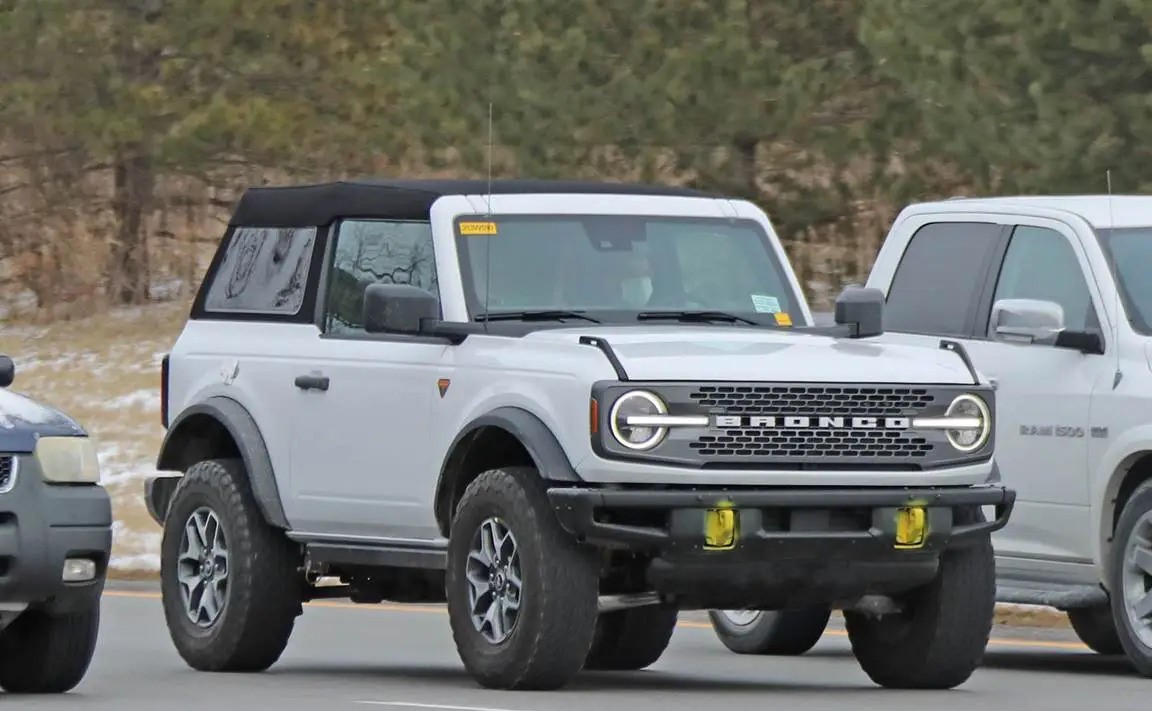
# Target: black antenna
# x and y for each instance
(488, 238)
(488, 192)
(1115, 288)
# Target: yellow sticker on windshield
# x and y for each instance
(477, 228)
(782, 319)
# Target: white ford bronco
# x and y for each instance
(569, 410)
(1051, 297)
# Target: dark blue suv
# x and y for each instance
(55, 541)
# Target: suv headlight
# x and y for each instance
(67, 460)
(972, 413)
(627, 419)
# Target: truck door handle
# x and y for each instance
(312, 382)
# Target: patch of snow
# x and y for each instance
(114, 471)
(147, 398)
(134, 550)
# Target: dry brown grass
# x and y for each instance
(104, 371)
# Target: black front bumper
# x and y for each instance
(41, 526)
(793, 547)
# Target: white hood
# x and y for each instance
(679, 352)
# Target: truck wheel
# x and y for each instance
(783, 632)
(1096, 628)
(229, 581)
(522, 593)
(41, 653)
(628, 640)
(938, 640)
(1131, 579)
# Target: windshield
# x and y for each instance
(1130, 251)
(616, 267)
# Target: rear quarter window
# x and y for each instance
(263, 270)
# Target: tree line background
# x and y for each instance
(128, 128)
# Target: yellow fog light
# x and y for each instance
(67, 460)
(910, 527)
(720, 528)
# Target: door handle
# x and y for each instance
(312, 382)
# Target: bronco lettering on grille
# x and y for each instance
(810, 422)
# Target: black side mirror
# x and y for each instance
(7, 371)
(1088, 342)
(862, 309)
(398, 308)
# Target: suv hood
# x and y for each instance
(23, 420)
(723, 353)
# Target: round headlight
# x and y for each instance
(969, 407)
(631, 404)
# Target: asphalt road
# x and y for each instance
(345, 656)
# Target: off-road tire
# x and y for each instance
(938, 641)
(778, 633)
(557, 617)
(629, 640)
(1140, 503)
(1096, 628)
(42, 653)
(265, 586)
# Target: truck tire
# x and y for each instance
(242, 588)
(532, 587)
(939, 639)
(41, 653)
(782, 632)
(628, 640)
(1096, 628)
(1130, 577)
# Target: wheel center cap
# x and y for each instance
(498, 580)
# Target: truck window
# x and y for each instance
(1041, 264)
(375, 252)
(935, 286)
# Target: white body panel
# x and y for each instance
(1066, 480)
(362, 459)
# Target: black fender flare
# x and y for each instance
(241, 426)
(537, 439)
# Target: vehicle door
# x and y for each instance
(360, 455)
(1044, 390)
(950, 277)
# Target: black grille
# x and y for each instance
(7, 471)
(824, 443)
(813, 400)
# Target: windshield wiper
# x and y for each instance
(701, 316)
(538, 315)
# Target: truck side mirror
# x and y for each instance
(862, 309)
(7, 371)
(1025, 320)
(1038, 321)
(398, 308)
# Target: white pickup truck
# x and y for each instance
(1051, 298)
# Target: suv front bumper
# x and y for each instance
(789, 548)
(41, 526)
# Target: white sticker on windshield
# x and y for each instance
(765, 304)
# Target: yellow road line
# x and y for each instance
(995, 641)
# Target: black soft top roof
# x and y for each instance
(320, 204)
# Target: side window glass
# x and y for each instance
(1041, 264)
(375, 252)
(936, 284)
(264, 270)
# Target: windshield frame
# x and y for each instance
(617, 317)
(1132, 313)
